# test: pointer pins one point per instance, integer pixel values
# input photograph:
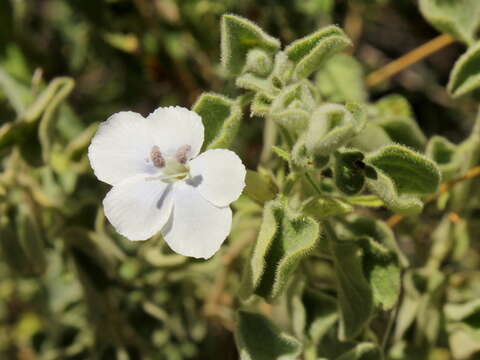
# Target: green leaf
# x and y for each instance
(332, 126)
(324, 207)
(261, 103)
(365, 200)
(395, 116)
(380, 266)
(401, 176)
(465, 76)
(258, 339)
(363, 351)
(17, 94)
(393, 105)
(348, 173)
(259, 187)
(259, 62)
(355, 298)
(238, 36)
(57, 91)
(341, 80)
(403, 130)
(254, 83)
(310, 52)
(282, 72)
(442, 151)
(411, 172)
(371, 138)
(221, 118)
(357, 226)
(292, 107)
(22, 243)
(284, 239)
(459, 18)
(321, 313)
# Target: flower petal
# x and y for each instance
(121, 147)
(219, 175)
(173, 127)
(139, 208)
(196, 228)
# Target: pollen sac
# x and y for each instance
(182, 154)
(157, 158)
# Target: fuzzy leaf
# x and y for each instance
(261, 103)
(393, 105)
(411, 172)
(259, 187)
(348, 171)
(238, 36)
(355, 298)
(459, 18)
(403, 130)
(363, 351)
(442, 151)
(259, 62)
(366, 200)
(380, 256)
(321, 208)
(22, 243)
(254, 83)
(284, 239)
(321, 313)
(371, 138)
(58, 89)
(332, 126)
(395, 116)
(341, 79)
(465, 76)
(291, 108)
(221, 118)
(259, 339)
(310, 52)
(401, 176)
(18, 95)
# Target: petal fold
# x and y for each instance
(219, 175)
(196, 227)
(174, 127)
(139, 208)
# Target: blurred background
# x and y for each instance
(55, 301)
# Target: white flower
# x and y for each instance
(160, 183)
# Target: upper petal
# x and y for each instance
(139, 208)
(121, 147)
(173, 127)
(219, 175)
(196, 228)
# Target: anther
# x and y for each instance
(182, 152)
(157, 158)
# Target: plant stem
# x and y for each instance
(408, 59)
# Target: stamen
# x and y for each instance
(157, 158)
(182, 152)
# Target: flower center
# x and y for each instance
(172, 168)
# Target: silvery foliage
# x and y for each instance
(323, 273)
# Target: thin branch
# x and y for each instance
(470, 174)
(408, 59)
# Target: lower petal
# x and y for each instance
(139, 208)
(196, 228)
